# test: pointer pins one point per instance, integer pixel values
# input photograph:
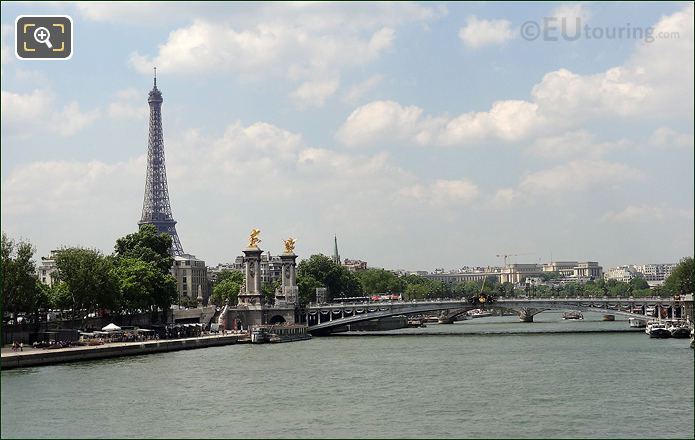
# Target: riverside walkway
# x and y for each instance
(30, 356)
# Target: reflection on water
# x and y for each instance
(486, 383)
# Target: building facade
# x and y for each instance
(654, 274)
(623, 274)
(48, 269)
(191, 278)
(354, 265)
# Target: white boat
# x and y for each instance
(572, 315)
(259, 335)
(678, 329)
(659, 330)
(637, 323)
(479, 313)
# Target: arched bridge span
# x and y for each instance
(322, 318)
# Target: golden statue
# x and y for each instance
(289, 245)
(253, 238)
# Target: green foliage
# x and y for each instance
(21, 290)
(416, 291)
(638, 283)
(137, 280)
(227, 287)
(339, 281)
(268, 290)
(307, 285)
(375, 281)
(89, 277)
(148, 245)
(682, 278)
(59, 296)
(151, 247)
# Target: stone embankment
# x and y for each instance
(31, 357)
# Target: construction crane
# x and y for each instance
(510, 255)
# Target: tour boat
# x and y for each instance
(637, 323)
(479, 313)
(659, 330)
(572, 315)
(679, 330)
(259, 335)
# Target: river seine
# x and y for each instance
(482, 378)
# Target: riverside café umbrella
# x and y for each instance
(111, 328)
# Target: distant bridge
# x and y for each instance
(323, 318)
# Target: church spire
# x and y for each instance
(336, 255)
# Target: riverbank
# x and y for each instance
(31, 357)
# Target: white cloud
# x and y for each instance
(71, 120)
(128, 104)
(23, 114)
(70, 188)
(578, 175)
(442, 192)
(650, 86)
(478, 33)
(383, 121)
(665, 137)
(579, 143)
(314, 93)
(357, 91)
(504, 198)
(569, 19)
(6, 52)
(647, 214)
(18, 108)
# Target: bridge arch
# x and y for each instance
(277, 319)
(325, 317)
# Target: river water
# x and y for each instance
(482, 378)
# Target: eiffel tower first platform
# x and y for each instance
(156, 209)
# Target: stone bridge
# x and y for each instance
(323, 318)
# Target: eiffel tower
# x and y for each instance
(156, 209)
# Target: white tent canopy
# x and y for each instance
(111, 328)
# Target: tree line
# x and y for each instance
(134, 278)
(321, 271)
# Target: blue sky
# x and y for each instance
(423, 135)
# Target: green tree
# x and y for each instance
(682, 278)
(638, 283)
(268, 290)
(148, 244)
(339, 281)
(376, 281)
(20, 288)
(416, 291)
(152, 247)
(89, 277)
(137, 280)
(307, 285)
(59, 296)
(227, 287)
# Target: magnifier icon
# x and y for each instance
(42, 35)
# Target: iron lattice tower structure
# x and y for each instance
(156, 209)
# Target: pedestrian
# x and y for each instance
(21, 346)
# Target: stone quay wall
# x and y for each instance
(50, 357)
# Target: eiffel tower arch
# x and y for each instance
(156, 209)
